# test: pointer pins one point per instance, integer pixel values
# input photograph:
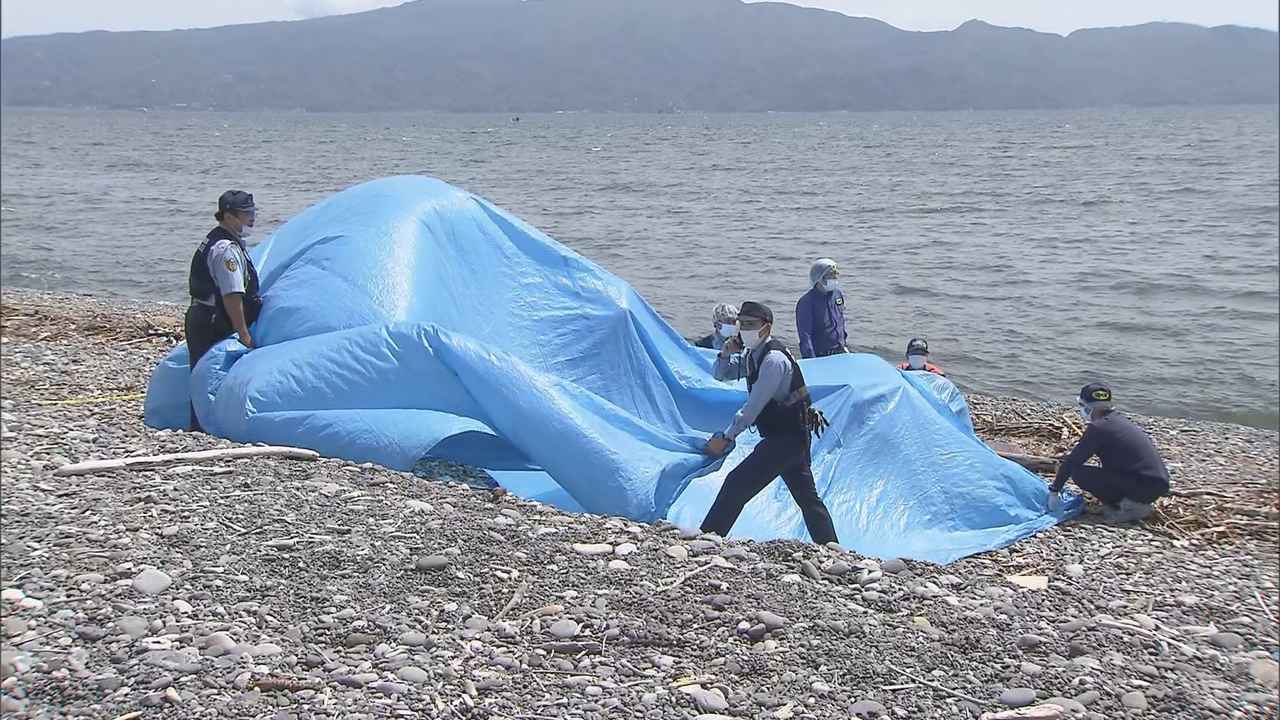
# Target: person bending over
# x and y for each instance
(1132, 475)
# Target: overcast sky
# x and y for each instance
(27, 17)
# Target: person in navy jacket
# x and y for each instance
(820, 313)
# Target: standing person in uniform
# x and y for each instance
(918, 358)
(778, 406)
(820, 313)
(724, 320)
(223, 282)
(1132, 475)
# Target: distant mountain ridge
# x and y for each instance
(635, 55)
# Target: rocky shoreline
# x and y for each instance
(272, 588)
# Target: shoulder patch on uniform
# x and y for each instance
(840, 300)
(231, 264)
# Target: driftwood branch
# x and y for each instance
(936, 686)
(516, 597)
(152, 461)
(1034, 463)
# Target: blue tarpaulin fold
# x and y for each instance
(405, 318)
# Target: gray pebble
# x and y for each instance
(152, 581)
(412, 674)
(1265, 672)
(431, 563)
(1134, 700)
(709, 700)
(357, 680)
(90, 633)
(1071, 706)
(893, 566)
(413, 639)
(110, 683)
(839, 568)
(1088, 697)
(771, 621)
(1029, 642)
(564, 629)
(1017, 697)
(358, 639)
(866, 708)
(1226, 640)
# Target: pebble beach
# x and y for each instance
(283, 589)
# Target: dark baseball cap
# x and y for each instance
(236, 201)
(756, 310)
(918, 346)
(1095, 392)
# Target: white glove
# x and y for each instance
(1055, 501)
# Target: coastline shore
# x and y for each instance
(267, 587)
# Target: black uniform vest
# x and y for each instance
(789, 417)
(201, 285)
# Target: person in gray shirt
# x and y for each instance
(778, 406)
(222, 282)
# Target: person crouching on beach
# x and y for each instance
(1132, 475)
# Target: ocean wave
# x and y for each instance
(957, 209)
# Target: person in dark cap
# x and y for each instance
(778, 406)
(223, 282)
(820, 312)
(1132, 475)
(918, 358)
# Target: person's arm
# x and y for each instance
(226, 267)
(804, 326)
(1079, 455)
(728, 367)
(234, 303)
(729, 361)
(843, 329)
(772, 372)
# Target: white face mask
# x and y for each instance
(751, 338)
(727, 331)
(245, 231)
(1085, 413)
(916, 361)
(830, 285)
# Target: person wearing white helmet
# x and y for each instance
(820, 312)
(724, 321)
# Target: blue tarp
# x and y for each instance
(405, 318)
